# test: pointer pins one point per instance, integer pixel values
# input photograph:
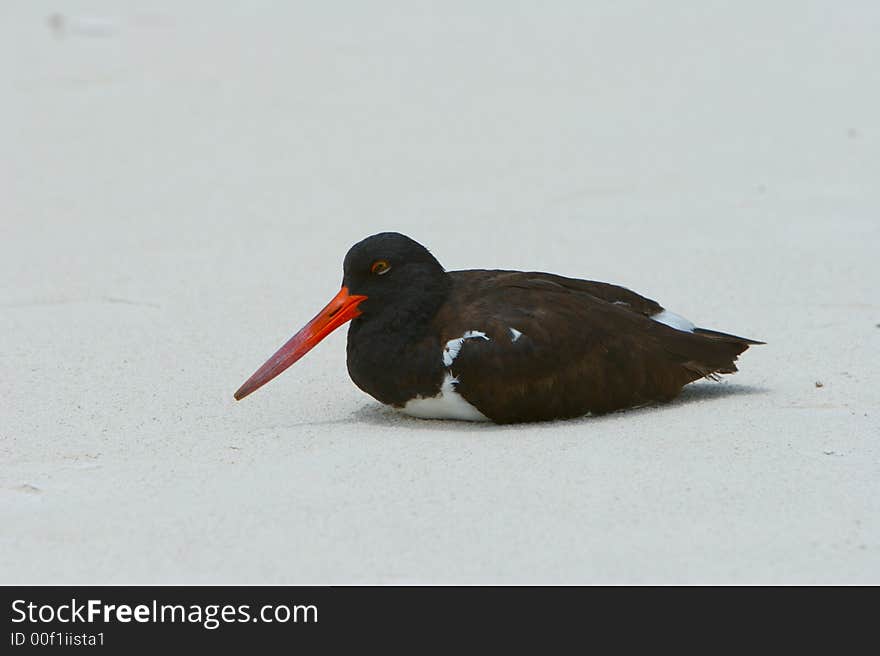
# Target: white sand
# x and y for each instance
(181, 182)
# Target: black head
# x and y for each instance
(393, 272)
(388, 280)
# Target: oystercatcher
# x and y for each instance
(505, 346)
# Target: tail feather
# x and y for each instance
(726, 337)
(708, 353)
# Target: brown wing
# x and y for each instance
(559, 347)
(614, 294)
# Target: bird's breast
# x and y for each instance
(414, 374)
(392, 367)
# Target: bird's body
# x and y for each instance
(506, 346)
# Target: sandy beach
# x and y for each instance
(182, 180)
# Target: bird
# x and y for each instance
(501, 346)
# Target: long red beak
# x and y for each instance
(342, 308)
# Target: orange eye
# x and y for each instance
(379, 267)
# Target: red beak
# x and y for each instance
(342, 308)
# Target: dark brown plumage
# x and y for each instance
(504, 345)
(585, 346)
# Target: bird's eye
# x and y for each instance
(380, 267)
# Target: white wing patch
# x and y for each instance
(448, 404)
(514, 334)
(674, 321)
(453, 346)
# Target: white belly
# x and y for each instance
(448, 404)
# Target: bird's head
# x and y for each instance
(385, 273)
